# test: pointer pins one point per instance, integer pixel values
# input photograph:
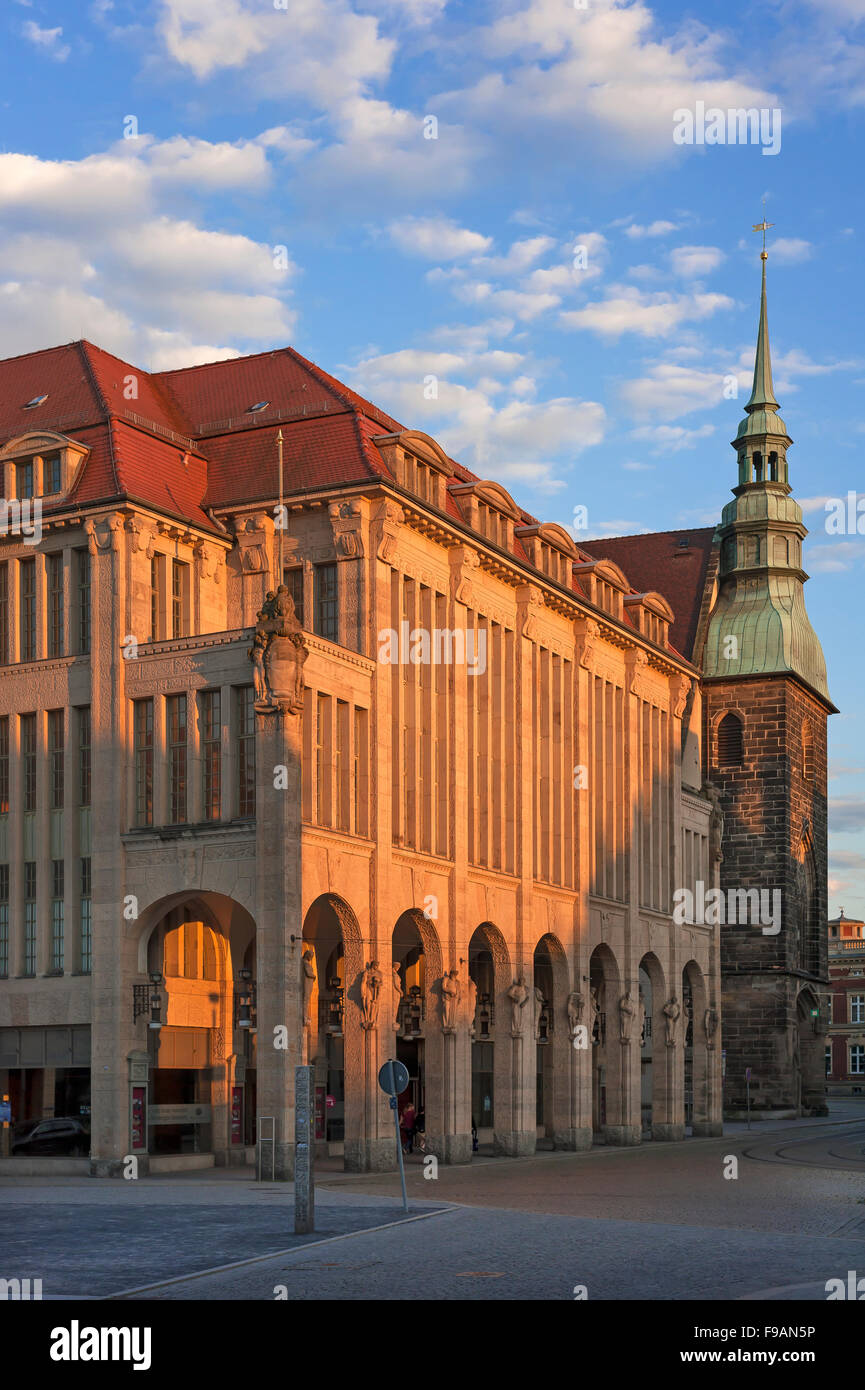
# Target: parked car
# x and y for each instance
(53, 1137)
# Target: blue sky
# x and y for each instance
(279, 186)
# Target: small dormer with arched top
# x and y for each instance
(418, 464)
(606, 585)
(40, 464)
(550, 549)
(651, 615)
(488, 509)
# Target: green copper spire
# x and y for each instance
(763, 394)
(759, 625)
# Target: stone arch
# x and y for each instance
(492, 1076)
(695, 1039)
(610, 1107)
(553, 1043)
(415, 1020)
(654, 1102)
(334, 1040)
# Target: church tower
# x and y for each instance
(766, 704)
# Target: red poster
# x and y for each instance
(237, 1114)
(139, 1117)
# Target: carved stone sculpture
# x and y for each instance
(370, 995)
(309, 978)
(539, 1008)
(576, 1004)
(518, 994)
(596, 1016)
(450, 999)
(278, 653)
(710, 1026)
(473, 1005)
(627, 1009)
(641, 1020)
(671, 1013)
(397, 994)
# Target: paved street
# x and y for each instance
(657, 1222)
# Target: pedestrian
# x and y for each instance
(407, 1126)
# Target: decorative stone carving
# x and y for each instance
(671, 1012)
(586, 632)
(473, 1005)
(277, 654)
(716, 823)
(370, 995)
(390, 518)
(397, 994)
(463, 562)
(518, 994)
(641, 1019)
(346, 518)
(450, 988)
(710, 1026)
(680, 687)
(627, 1009)
(539, 1009)
(309, 978)
(575, 1005)
(530, 606)
(635, 661)
(596, 1015)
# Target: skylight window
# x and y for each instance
(37, 400)
(259, 405)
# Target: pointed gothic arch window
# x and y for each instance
(730, 741)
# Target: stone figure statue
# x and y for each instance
(518, 994)
(710, 1026)
(473, 1005)
(278, 652)
(397, 994)
(309, 977)
(539, 1008)
(370, 995)
(641, 1019)
(576, 1004)
(596, 1016)
(671, 1013)
(716, 823)
(627, 1009)
(450, 999)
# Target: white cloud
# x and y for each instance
(790, 250)
(518, 259)
(691, 262)
(630, 310)
(670, 389)
(437, 238)
(670, 439)
(48, 40)
(123, 268)
(653, 229)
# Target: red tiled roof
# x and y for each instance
(661, 562)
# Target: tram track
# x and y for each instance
(820, 1142)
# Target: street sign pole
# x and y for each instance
(393, 1079)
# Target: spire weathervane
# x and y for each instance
(763, 227)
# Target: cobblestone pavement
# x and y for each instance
(656, 1222)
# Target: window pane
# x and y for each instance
(326, 609)
(245, 715)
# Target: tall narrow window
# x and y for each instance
(28, 760)
(57, 924)
(342, 769)
(86, 919)
(24, 479)
(361, 797)
(176, 722)
(179, 598)
(4, 613)
(55, 604)
(27, 571)
(210, 702)
(29, 918)
(143, 762)
(4, 921)
(84, 755)
(156, 604)
(4, 765)
(326, 604)
(730, 746)
(56, 757)
(50, 473)
(82, 560)
(293, 581)
(245, 713)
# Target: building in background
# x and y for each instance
(845, 1045)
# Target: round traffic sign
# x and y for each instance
(393, 1078)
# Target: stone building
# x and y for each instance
(391, 769)
(845, 1045)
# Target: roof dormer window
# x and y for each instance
(37, 400)
(52, 474)
(24, 478)
(259, 405)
